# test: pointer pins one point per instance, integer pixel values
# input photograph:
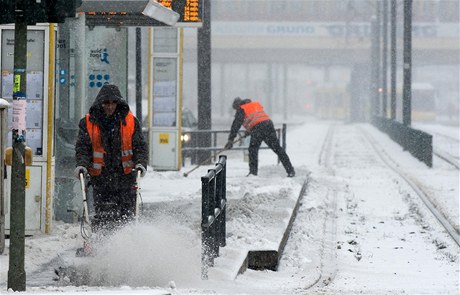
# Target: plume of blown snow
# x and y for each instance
(146, 254)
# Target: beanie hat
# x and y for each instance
(237, 102)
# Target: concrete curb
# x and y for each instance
(269, 259)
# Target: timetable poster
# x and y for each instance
(164, 92)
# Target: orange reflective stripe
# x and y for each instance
(127, 132)
(253, 114)
(98, 148)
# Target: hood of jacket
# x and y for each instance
(108, 92)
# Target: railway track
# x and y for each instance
(446, 148)
(333, 161)
(328, 267)
(417, 187)
(451, 160)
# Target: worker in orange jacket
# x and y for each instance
(258, 125)
(110, 147)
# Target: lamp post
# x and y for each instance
(407, 63)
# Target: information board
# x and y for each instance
(33, 104)
(189, 10)
(129, 12)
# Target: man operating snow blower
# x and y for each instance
(111, 149)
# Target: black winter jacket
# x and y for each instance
(238, 121)
(112, 173)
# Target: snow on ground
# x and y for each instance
(360, 228)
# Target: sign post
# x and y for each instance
(16, 272)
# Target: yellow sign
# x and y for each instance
(27, 178)
(164, 138)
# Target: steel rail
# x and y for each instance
(417, 189)
(447, 158)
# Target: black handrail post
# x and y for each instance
(205, 238)
(212, 208)
(213, 214)
(223, 200)
(204, 255)
(214, 143)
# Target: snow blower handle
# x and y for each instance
(85, 203)
(138, 193)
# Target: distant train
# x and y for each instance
(333, 102)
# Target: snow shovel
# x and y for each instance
(85, 228)
(209, 158)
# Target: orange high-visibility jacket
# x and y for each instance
(127, 132)
(253, 114)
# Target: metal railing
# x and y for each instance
(416, 142)
(193, 148)
(213, 214)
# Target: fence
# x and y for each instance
(192, 147)
(213, 214)
(416, 142)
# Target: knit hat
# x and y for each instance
(237, 102)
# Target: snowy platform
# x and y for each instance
(260, 212)
(268, 259)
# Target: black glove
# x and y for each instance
(228, 145)
(78, 170)
(140, 168)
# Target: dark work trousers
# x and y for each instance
(113, 206)
(265, 131)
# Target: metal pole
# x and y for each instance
(16, 272)
(50, 131)
(204, 81)
(138, 74)
(374, 68)
(285, 90)
(385, 59)
(3, 130)
(393, 59)
(81, 101)
(378, 58)
(407, 64)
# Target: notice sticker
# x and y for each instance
(19, 115)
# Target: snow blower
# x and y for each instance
(85, 228)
